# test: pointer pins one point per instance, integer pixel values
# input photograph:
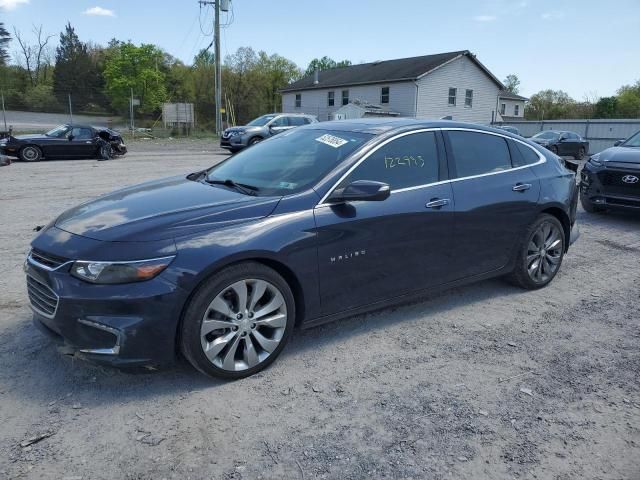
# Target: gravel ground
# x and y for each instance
(485, 381)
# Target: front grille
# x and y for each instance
(612, 182)
(46, 259)
(43, 299)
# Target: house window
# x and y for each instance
(452, 96)
(384, 95)
(345, 97)
(503, 108)
(516, 110)
(298, 100)
(468, 98)
(330, 99)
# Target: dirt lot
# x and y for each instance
(485, 381)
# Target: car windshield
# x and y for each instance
(59, 131)
(548, 135)
(260, 121)
(633, 141)
(289, 162)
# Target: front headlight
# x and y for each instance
(119, 272)
(595, 160)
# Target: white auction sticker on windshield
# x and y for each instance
(332, 141)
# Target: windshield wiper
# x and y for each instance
(241, 187)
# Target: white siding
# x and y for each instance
(510, 108)
(463, 74)
(402, 99)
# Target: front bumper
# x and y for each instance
(235, 142)
(605, 186)
(9, 151)
(120, 325)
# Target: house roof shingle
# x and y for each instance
(510, 96)
(401, 69)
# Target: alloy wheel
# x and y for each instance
(243, 324)
(544, 252)
(30, 154)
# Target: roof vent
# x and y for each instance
(316, 77)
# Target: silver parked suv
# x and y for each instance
(236, 138)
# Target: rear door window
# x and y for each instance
(280, 122)
(476, 153)
(408, 161)
(296, 121)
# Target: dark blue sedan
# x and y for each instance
(315, 224)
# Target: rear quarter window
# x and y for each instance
(522, 155)
(476, 153)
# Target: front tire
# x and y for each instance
(238, 321)
(254, 140)
(30, 153)
(539, 258)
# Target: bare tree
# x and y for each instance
(36, 57)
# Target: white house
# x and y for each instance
(510, 107)
(446, 85)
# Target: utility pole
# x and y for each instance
(4, 113)
(216, 42)
(70, 110)
(216, 33)
(131, 109)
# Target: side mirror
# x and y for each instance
(618, 142)
(361, 190)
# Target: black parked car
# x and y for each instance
(611, 178)
(565, 144)
(321, 222)
(65, 141)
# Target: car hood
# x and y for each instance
(241, 128)
(541, 141)
(621, 155)
(162, 209)
(32, 136)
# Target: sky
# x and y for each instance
(587, 48)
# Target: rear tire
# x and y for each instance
(589, 206)
(30, 153)
(539, 257)
(238, 321)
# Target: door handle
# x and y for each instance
(437, 202)
(521, 187)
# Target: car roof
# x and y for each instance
(377, 126)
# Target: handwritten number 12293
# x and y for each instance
(405, 161)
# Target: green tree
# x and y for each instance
(275, 73)
(629, 100)
(606, 107)
(549, 105)
(324, 63)
(5, 38)
(512, 83)
(139, 69)
(77, 73)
